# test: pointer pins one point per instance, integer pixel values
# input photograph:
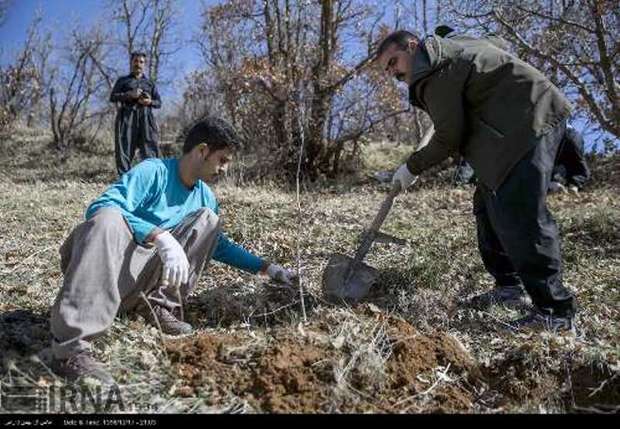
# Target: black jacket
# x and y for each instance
(128, 83)
(484, 103)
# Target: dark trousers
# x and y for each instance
(134, 129)
(518, 238)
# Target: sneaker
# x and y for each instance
(537, 321)
(82, 366)
(510, 296)
(165, 319)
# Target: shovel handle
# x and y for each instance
(384, 209)
(377, 222)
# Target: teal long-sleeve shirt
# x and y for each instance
(151, 195)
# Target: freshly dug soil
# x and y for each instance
(291, 373)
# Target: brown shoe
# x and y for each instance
(82, 366)
(169, 324)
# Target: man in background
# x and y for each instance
(135, 127)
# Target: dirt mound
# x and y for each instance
(414, 353)
(526, 376)
(292, 372)
(283, 375)
(289, 377)
(415, 357)
(594, 387)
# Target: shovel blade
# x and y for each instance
(343, 279)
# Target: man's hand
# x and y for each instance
(403, 177)
(145, 99)
(176, 265)
(280, 274)
(135, 93)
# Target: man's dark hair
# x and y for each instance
(399, 38)
(137, 54)
(216, 133)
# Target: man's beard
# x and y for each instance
(400, 77)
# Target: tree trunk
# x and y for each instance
(321, 99)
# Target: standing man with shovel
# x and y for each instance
(506, 119)
(135, 127)
(142, 248)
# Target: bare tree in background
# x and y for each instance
(200, 97)
(576, 43)
(4, 5)
(279, 61)
(77, 82)
(24, 82)
(148, 26)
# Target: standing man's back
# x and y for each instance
(506, 104)
(135, 127)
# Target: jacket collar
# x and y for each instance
(427, 60)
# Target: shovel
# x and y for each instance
(349, 279)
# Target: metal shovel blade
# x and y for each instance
(348, 280)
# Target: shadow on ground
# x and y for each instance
(24, 339)
(236, 304)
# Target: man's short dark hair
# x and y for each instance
(137, 54)
(399, 38)
(216, 133)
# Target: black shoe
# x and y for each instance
(510, 296)
(538, 321)
(82, 366)
(165, 319)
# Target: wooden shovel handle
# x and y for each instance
(376, 223)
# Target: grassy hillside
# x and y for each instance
(413, 346)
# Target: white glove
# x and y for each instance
(176, 265)
(403, 177)
(555, 187)
(280, 274)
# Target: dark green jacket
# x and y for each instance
(484, 102)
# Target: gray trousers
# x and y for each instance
(105, 271)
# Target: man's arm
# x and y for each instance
(231, 253)
(442, 93)
(117, 96)
(127, 194)
(235, 255)
(155, 99)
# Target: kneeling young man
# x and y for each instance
(142, 248)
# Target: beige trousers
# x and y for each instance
(106, 271)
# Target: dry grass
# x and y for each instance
(424, 283)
